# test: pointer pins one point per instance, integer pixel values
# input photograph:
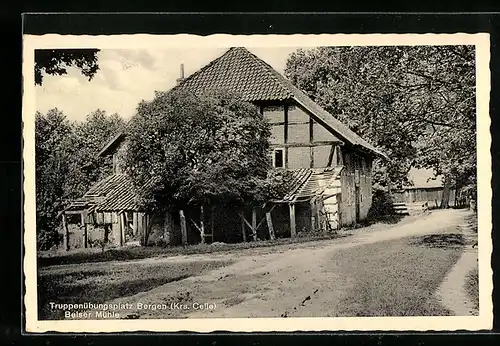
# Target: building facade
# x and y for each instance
(331, 184)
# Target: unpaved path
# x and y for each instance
(280, 282)
(452, 291)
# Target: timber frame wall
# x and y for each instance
(307, 144)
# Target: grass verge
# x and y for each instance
(395, 278)
(98, 283)
(140, 252)
(472, 287)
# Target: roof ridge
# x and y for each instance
(271, 71)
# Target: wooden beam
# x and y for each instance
(303, 144)
(254, 224)
(66, 232)
(311, 140)
(331, 156)
(285, 137)
(122, 228)
(285, 134)
(270, 225)
(134, 223)
(85, 235)
(293, 229)
(73, 212)
(183, 227)
(281, 123)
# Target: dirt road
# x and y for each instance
(278, 282)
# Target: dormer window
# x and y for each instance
(278, 158)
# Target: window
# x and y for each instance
(278, 160)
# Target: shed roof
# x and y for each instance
(306, 183)
(118, 193)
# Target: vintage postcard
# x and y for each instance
(257, 183)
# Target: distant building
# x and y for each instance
(425, 189)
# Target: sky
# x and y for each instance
(126, 77)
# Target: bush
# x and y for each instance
(382, 205)
(47, 239)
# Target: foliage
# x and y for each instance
(92, 135)
(53, 142)
(66, 164)
(185, 149)
(417, 103)
(382, 204)
(56, 61)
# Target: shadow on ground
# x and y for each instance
(85, 284)
(448, 240)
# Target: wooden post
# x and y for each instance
(318, 215)
(202, 225)
(122, 228)
(66, 232)
(134, 222)
(243, 231)
(212, 212)
(293, 230)
(106, 234)
(254, 224)
(146, 228)
(313, 215)
(270, 225)
(183, 227)
(85, 235)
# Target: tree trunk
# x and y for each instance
(445, 198)
(183, 227)
(254, 224)
(202, 225)
(167, 227)
(212, 215)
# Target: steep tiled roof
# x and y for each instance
(113, 193)
(243, 73)
(240, 72)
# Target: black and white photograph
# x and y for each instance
(257, 183)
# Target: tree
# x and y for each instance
(56, 62)
(91, 136)
(417, 103)
(67, 164)
(53, 150)
(190, 150)
(186, 151)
